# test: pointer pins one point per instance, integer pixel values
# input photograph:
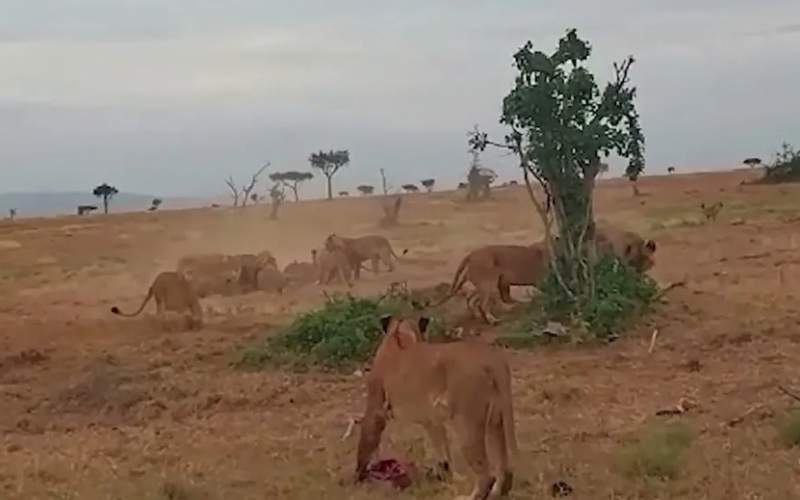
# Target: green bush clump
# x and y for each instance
(659, 453)
(344, 332)
(621, 295)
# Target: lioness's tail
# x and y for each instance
(405, 251)
(458, 281)
(507, 411)
(149, 296)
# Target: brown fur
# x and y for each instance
(172, 292)
(224, 274)
(710, 212)
(372, 248)
(626, 246)
(333, 263)
(493, 269)
(269, 279)
(465, 386)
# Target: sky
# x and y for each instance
(170, 98)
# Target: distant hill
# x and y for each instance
(58, 203)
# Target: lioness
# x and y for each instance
(172, 292)
(374, 248)
(462, 385)
(627, 246)
(333, 263)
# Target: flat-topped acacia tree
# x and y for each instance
(560, 125)
(292, 180)
(329, 163)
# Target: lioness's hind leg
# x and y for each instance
(376, 260)
(386, 256)
(498, 453)
(438, 437)
(472, 433)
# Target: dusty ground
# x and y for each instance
(94, 407)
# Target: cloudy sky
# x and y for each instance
(170, 97)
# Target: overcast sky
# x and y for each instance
(170, 97)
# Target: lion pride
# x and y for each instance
(461, 386)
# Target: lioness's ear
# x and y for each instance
(651, 245)
(423, 324)
(385, 320)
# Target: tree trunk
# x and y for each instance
(294, 190)
(105, 204)
(330, 187)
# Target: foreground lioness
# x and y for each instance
(462, 386)
(374, 248)
(172, 292)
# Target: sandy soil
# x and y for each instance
(97, 407)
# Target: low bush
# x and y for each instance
(621, 295)
(659, 453)
(343, 333)
(789, 429)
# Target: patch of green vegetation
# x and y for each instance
(789, 429)
(621, 295)
(660, 452)
(785, 168)
(343, 333)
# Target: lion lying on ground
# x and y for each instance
(374, 248)
(172, 292)
(463, 385)
(221, 274)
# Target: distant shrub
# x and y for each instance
(785, 168)
(789, 429)
(659, 453)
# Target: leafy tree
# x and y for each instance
(752, 162)
(670, 170)
(329, 163)
(366, 189)
(410, 188)
(560, 125)
(785, 168)
(155, 204)
(344, 193)
(292, 180)
(12, 214)
(428, 184)
(105, 192)
(479, 179)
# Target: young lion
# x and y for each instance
(463, 385)
(374, 248)
(172, 293)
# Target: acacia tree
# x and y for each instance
(106, 193)
(329, 163)
(752, 162)
(292, 180)
(410, 188)
(428, 184)
(366, 189)
(560, 125)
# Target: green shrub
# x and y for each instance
(659, 453)
(621, 295)
(789, 429)
(346, 331)
(786, 167)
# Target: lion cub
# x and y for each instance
(465, 386)
(172, 292)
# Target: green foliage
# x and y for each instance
(560, 126)
(291, 179)
(329, 163)
(105, 192)
(785, 168)
(620, 296)
(659, 453)
(346, 331)
(789, 429)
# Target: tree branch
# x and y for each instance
(234, 191)
(246, 190)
